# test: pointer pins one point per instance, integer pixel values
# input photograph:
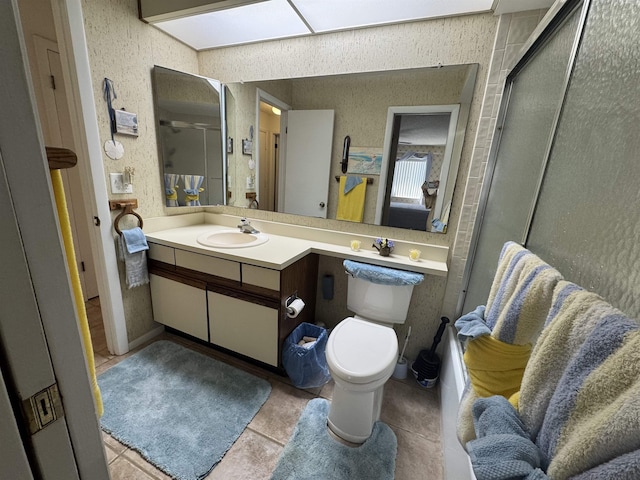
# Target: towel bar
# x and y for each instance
(127, 207)
(369, 179)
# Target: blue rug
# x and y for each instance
(179, 409)
(311, 453)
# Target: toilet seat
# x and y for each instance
(361, 352)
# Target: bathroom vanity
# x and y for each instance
(236, 298)
(231, 304)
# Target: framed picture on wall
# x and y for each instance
(247, 146)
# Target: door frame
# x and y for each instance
(262, 96)
(41, 343)
(69, 26)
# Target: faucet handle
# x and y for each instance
(244, 221)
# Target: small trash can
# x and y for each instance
(303, 356)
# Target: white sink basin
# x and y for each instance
(232, 239)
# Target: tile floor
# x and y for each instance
(412, 412)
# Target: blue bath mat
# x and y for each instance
(311, 453)
(179, 409)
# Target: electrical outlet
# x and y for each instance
(118, 185)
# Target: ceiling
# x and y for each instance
(206, 24)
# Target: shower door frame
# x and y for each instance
(554, 19)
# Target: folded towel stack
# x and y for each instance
(132, 246)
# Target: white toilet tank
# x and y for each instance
(381, 303)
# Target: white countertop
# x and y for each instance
(289, 245)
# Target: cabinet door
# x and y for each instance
(179, 306)
(244, 327)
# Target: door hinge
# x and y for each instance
(53, 82)
(82, 267)
(43, 408)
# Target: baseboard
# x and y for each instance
(146, 337)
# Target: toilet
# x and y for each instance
(362, 350)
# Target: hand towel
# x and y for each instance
(351, 205)
(503, 449)
(136, 272)
(135, 240)
(472, 325)
(351, 182)
(382, 275)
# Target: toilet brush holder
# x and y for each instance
(400, 370)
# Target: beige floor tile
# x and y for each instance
(412, 408)
(252, 457)
(418, 457)
(123, 469)
(137, 459)
(110, 453)
(280, 413)
(115, 445)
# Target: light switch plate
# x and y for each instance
(118, 185)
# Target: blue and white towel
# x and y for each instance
(382, 275)
(132, 246)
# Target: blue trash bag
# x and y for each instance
(306, 366)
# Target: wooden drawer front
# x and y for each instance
(206, 264)
(179, 306)
(244, 327)
(261, 277)
(162, 253)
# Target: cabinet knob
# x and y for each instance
(321, 204)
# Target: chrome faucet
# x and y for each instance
(246, 227)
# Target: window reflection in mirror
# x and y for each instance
(190, 138)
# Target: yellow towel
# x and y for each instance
(65, 228)
(495, 367)
(351, 205)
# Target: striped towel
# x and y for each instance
(573, 313)
(518, 304)
(593, 416)
(520, 296)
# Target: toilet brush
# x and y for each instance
(400, 370)
(406, 340)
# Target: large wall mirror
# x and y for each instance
(191, 131)
(377, 147)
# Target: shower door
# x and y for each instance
(532, 100)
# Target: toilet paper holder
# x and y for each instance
(290, 300)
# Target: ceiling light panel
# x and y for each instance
(256, 22)
(327, 15)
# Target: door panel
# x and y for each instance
(308, 162)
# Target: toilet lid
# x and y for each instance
(361, 351)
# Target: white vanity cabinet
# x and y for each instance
(179, 306)
(244, 327)
(236, 306)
